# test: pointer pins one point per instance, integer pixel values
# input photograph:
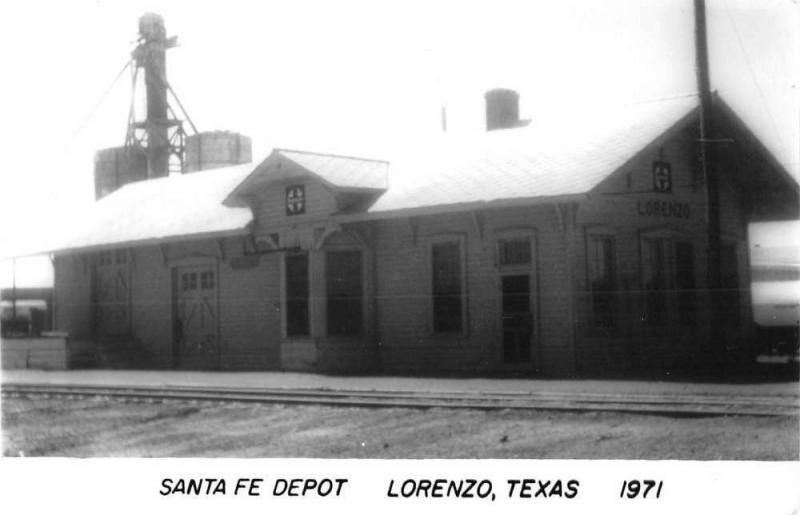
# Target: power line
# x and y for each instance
(96, 106)
(661, 99)
(755, 79)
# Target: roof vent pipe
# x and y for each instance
(502, 109)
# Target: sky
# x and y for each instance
(360, 77)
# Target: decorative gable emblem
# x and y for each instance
(295, 200)
(662, 177)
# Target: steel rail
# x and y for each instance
(675, 405)
(789, 401)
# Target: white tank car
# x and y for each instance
(776, 303)
(776, 312)
(775, 275)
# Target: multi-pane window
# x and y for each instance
(105, 258)
(447, 287)
(111, 257)
(600, 254)
(189, 280)
(297, 295)
(655, 275)
(514, 252)
(207, 280)
(202, 280)
(344, 292)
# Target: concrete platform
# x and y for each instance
(291, 380)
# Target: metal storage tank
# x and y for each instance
(216, 149)
(117, 166)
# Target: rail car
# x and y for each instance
(776, 312)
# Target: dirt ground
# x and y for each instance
(85, 428)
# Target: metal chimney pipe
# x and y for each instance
(502, 109)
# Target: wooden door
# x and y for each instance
(111, 296)
(196, 344)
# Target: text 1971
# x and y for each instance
(641, 489)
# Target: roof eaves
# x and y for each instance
(674, 129)
(326, 154)
(459, 207)
(361, 189)
(145, 242)
(231, 199)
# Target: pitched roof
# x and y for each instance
(160, 210)
(342, 172)
(545, 159)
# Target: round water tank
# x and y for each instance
(217, 149)
(117, 166)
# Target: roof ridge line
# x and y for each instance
(330, 154)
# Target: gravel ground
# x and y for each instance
(85, 428)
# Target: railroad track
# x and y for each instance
(666, 404)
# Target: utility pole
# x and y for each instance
(14, 290)
(708, 163)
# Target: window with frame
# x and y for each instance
(189, 281)
(514, 252)
(602, 280)
(105, 258)
(207, 280)
(297, 295)
(344, 292)
(447, 270)
(655, 278)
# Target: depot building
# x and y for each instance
(530, 249)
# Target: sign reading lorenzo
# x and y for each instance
(295, 200)
(662, 177)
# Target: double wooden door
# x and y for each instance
(196, 318)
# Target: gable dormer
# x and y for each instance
(292, 187)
